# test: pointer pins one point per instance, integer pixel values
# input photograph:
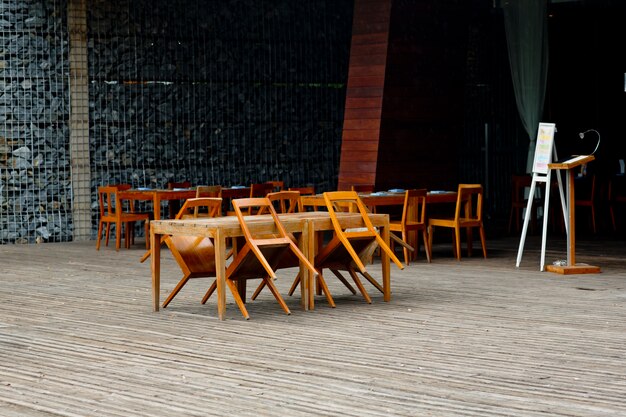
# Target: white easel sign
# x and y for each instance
(543, 149)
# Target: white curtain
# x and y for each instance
(526, 26)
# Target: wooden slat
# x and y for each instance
(472, 338)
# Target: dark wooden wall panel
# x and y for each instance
(364, 95)
(422, 118)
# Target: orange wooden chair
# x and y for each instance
(112, 211)
(195, 255)
(283, 202)
(211, 191)
(277, 185)
(347, 247)
(468, 214)
(413, 221)
(174, 205)
(310, 190)
(586, 195)
(261, 255)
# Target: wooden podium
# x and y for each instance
(572, 267)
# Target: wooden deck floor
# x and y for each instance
(475, 338)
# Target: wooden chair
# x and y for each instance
(616, 197)
(304, 190)
(413, 220)
(468, 214)
(260, 190)
(283, 202)
(174, 205)
(261, 254)
(112, 211)
(195, 255)
(519, 202)
(345, 250)
(286, 201)
(277, 185)
(211, 191)
(585, 196)
(363, 188)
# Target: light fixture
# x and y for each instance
(582, 136)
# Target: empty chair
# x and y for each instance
(211, 191)
(260, 190)
(617, 196)
(347, 247)
(585, 196)
(261, 254)
(519, 201)
(195, 255)
(174, 205)
(276, 185)
(310, 190)
(112, 211)
(413, 221)
(467, 214)
(284, 202)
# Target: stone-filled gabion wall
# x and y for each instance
(217, 92)
(35, 188)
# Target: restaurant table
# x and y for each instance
(156, 196)
(383, 198)
(307, 224)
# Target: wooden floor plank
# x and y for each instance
(471, 338)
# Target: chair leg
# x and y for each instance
(431, 232)
(360, 286)
(470, 238)
(270, 284)
(258, 290)
(343, 280)
(482, 241)
(613, 218)
(294, 285)
(322, 283)
(427, 245)
(118, 235)
(98, 238)
(175, 291)
(372, 281)
(242, 307)
(209, 292)
(106, 236)
(404, 249)
(593, 219)
(457, 242)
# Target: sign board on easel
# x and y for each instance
(544, 152)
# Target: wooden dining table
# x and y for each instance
(307, 225)
(385, 198)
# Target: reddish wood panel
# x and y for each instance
(364, 95)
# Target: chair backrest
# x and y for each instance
(304, 190)
(109, 201)
(469, 203)
(351, 198)
(260, 190)
(214, 191)
(172, 185)
(190, 208)
(286, 201)
(268, 247)
(277, 185)
(195, 254)
(414, 209)
(363, 188)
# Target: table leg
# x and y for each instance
(220, 272)
(155, 248)
(384, 258)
